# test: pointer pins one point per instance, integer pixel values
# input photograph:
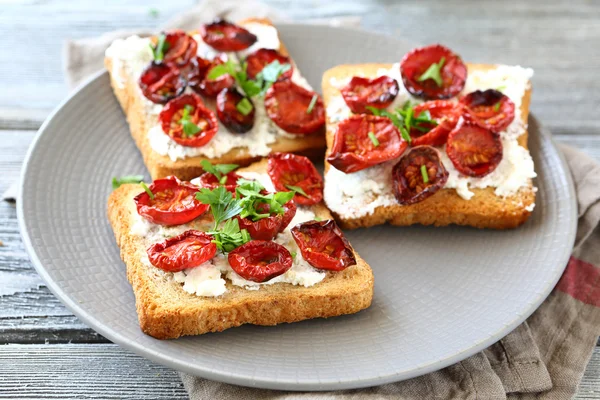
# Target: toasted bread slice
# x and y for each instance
(166, 311)
(140, 121)
(484, 210)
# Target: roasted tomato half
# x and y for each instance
(267, 228)
(188, 122)
(225, 36)
(491, 108)
(433, 72)
(362, 92)
(473, 149)
(212, 87)
(261, 58)
(445, 115)
(179, 48)
(235, 111)
(196, 71)
(260, 261)
(418, 175)
(161, 82)
(323, 245)
(174, 202)
(188, 250)
(293, 172)
(208, 180)
(295, 109)
(364, 140)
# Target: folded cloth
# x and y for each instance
(543, 358)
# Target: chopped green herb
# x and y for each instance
(501, 88)
(424, 174)
(318, 219)
(297, 189)
(222, 203)
(313, 101)
(497, 106)
(293, 254)
(405, 120)
(117, 182)
(218, 170)
(256, 87)
(434, 72)
(244, 106)
(161, 48)
(373, 139)
(189, 128)
(147, 189)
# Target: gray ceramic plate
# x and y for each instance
(440, 294)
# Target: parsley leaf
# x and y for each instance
(230, 236)
(405, 120)
(189, 128)
(373, 139)
(434, 72)
(313, 101)
(222, 203)
(244, 106)
(161, 48)
(218, 170)
(147, 189)
(117, 182)
(250, 87)
(424, 174)
(297, 189)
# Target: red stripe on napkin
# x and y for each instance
(580, 281)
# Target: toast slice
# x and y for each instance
(484, 209)
(142, 115)
(166, 311)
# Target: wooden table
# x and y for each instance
(48, 352)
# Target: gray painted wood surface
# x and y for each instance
(47, 352)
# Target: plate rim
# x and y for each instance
(163, 358)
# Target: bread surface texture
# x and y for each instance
(160, 166)
(484, 210)
(166, 311)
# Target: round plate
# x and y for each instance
(441, 294)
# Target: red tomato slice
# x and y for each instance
(188, 250)
(260, 261)
(473, 149)
(181, 47)
(453, 72)
(208, 180)
(196, 71)
(354, 149)
(288, 105)
(287, 170)
(228, 113)
(263, 57)
(362, 92)
(212, 87)
(323, 245)
(268, 228)
(491, 108)
(225, 36)
(161, 83)
(172, 121)
(445, 113)
(174, 202)
(409, 176)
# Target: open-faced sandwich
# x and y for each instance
(236, 246)
(227, 93)
(428, 141)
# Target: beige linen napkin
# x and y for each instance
(543, 358)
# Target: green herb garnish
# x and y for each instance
(117, 182)
(313, 101)
(147, 189)
(293, 254)
(189, 128)
(250, 87)
(161, 48)
(244, 106)
(501, 88)
(297, 189)
(424, 174)
(218, 170)
(373, 139)
(434, 72)
(497, 106)
(153, 12)
(405, 120)
(318, 219)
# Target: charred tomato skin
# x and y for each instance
(171, 121)
(226, 36)
(229, 115)
(161, 82)
(407, 179)
(260, 260)
(323, 245)
(258, 60)
(417, 61)
(353, 150)
(473, 149)
(361, 92)
(287, 106)
(187, 250)
(491, 108)
(292, 169)
(174, 202)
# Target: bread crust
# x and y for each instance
(166, 311)
(446, 207)
(160, 166)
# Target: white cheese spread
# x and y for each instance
(364, 191)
